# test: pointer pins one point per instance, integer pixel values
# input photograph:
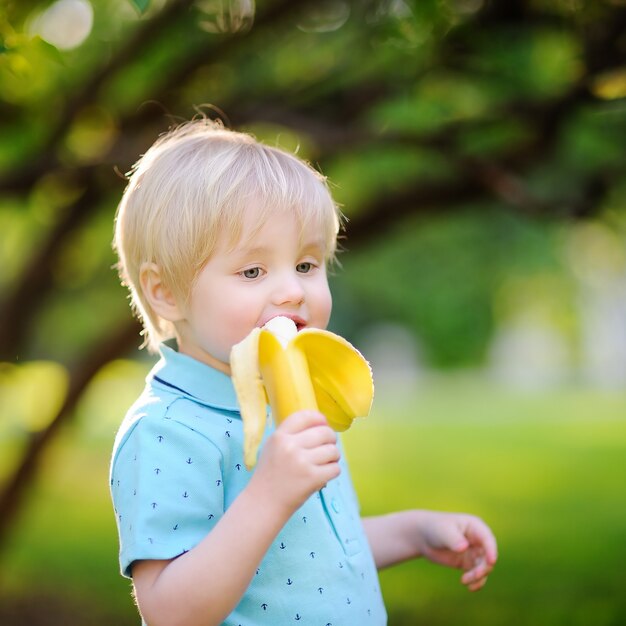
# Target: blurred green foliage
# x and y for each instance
(442, 276)
(476, 149)
(410, 108)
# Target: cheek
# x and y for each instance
(238, 316)
(324, 305)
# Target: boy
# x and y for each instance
(217, 234)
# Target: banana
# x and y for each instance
(292, 371)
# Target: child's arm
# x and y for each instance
(205, 584)
(456, 540)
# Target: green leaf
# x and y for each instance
(141, 5)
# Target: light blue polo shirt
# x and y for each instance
(178, 465)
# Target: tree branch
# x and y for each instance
(35, 281)
(31, 169)
(111, 346)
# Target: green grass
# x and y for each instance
(546, 470)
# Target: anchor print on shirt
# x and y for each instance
(306, 520)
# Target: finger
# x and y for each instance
(322, 455)
(479, 534)
(476, 570)
(479, 571)
(449, 535)
(315, 436)
(479, 584)
(328, 472)
(301, 420)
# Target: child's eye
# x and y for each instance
(304, 267)
(251, 272)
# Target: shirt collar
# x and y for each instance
(193, 379)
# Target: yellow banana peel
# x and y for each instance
(292, 371)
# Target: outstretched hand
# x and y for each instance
(461, 541)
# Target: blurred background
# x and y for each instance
(478, 150)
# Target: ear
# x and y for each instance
(158, 294)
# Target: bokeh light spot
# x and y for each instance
(66, 24)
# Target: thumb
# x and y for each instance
(455, 540)
(460, 545)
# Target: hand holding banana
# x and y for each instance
(291, 370)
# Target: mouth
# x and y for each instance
(298, 321)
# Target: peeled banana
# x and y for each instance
(292, 371)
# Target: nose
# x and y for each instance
(288, 290)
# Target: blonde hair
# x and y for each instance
(194, 185)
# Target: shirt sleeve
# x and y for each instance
(167, 489)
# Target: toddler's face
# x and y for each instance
(274, 270)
